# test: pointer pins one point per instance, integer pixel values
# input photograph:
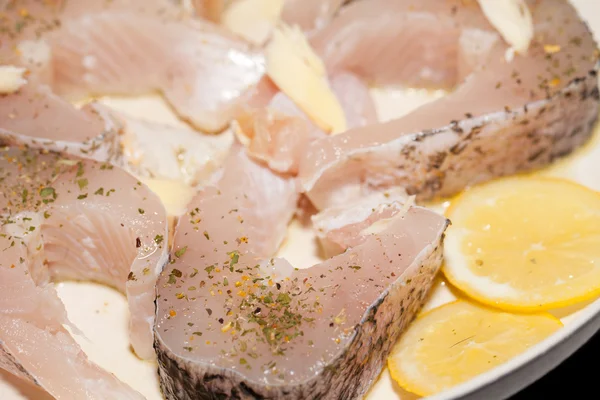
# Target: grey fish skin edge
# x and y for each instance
(351, 374)
(544, 130)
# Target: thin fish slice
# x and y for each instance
(131, 47)
(203, 71)
(279, 133)
(310, 14)
(512, 113)
(234, 323)
(179, 154)
(85, 220)
(36, 117)
(344, 226)
(35, 346)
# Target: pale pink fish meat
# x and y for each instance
(343, 226)
(202, 70)
(27, 22)
(234, 323)
(38, 118)
(403, 42)
(355, 99)
(165, 152)
(505, 117)
(35, 346)
(84, 220)
(278, 132)
(310, 14)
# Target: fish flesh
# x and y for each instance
(509, 112)
(355, 99)
(80, 219)
(310, 15)
(232, 322)
(278, 132)
(35, 346)
(34, 116)
(204, 71)
(38, 118)
(173, 153)
(415, 44)
(28, 23)
(341, 227)
(204, 74)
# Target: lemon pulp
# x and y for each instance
(457, 341)
(525, 244)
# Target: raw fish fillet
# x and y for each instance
(279, 132)
(35, 346)
(341, 227)
(84, 220)
(136, 47)
(165, 152)
(234, 323)
(509, 112)
(36, 117)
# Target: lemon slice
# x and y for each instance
(525, 244)
(457, 341)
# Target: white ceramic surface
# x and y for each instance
(102, 314)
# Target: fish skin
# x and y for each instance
(444, 146)
(228, 234)
(110, 217)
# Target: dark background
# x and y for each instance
(577, 377)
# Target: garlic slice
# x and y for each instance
(254, 20)
(300, 74)
(512, 19)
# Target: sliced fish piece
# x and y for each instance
(403, 42)
(165, 152)
(280, 132)
(38, 118)
(355, 99)
(35, 346)
(310, 14)
(84, 220)
(202, 70)
(277, 134)
(514, 114)
(233, 323)
(345, 226)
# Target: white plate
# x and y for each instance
(102, 314)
